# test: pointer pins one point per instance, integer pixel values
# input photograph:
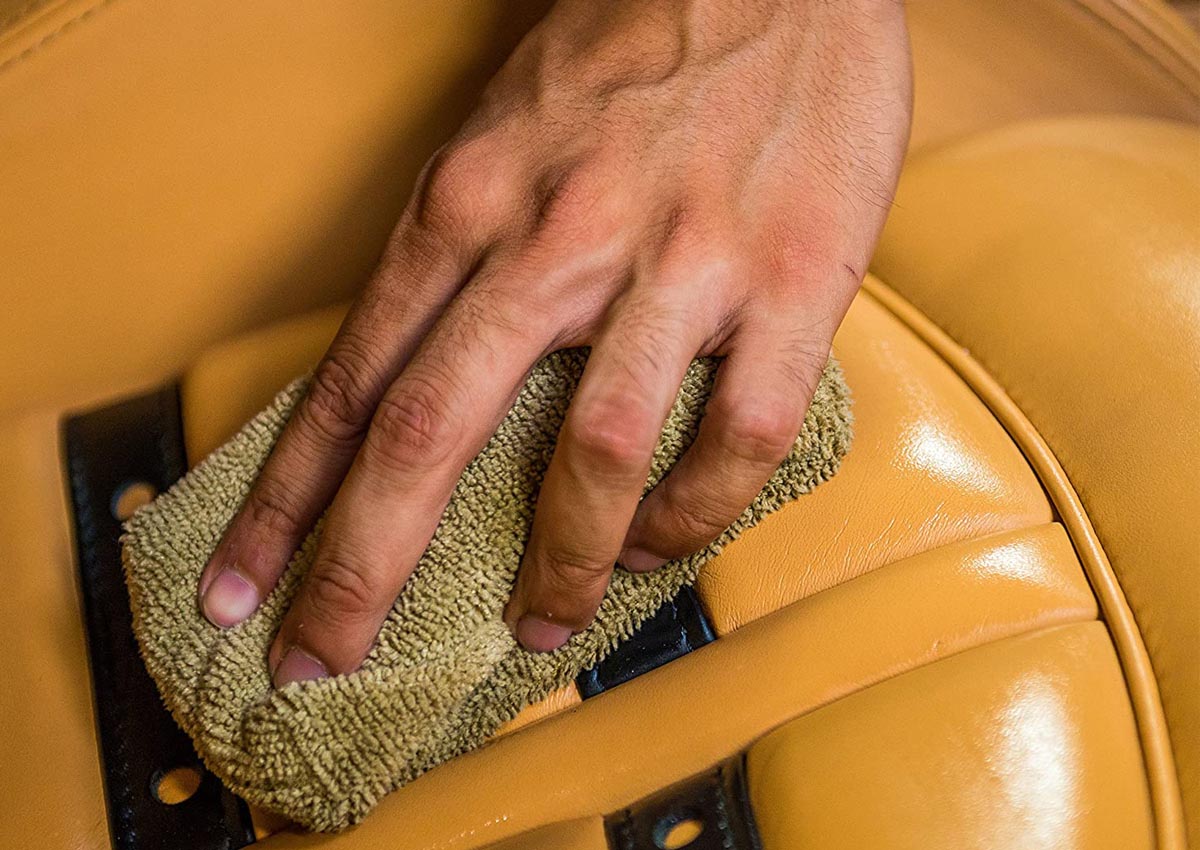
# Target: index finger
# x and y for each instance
(433, 419)
(320, 440)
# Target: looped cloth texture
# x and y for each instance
(445, 672)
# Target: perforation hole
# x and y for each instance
(129, 497)
(674, 832)
(176, 785)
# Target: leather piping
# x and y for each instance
(1145, 25)
(28, 10)
(1165, 799)
(45, 23)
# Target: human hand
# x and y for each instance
(658, 179)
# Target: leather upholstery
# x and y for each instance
(241, 162)
(1099, 354)
(1033, 733)
(582, 834)
(49, 768)
(565, 697)
(979, 64)
(176, 174)
(929, 465)
(708, 705)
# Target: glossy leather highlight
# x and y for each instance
(176, 174)
(929, 465)
(683, 718)
(1106, 288)
(1025, 743)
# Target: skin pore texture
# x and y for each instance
(656, 179)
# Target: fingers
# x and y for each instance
(598, 471)
(456, 208)
(433, 419)
(320, 441)
(753, 417)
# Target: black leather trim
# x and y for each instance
(135, 441)
(718, 801)
(675, 630)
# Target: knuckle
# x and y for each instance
(571, 579)
(569, 195)
(465, 182)
(486, 308)
(803, 361)
(339, 588)
(787, 256)
(274, 508)
(577, 206)
(798, 250)
(654, 324)
(603, 441)
(412, 427)
(761, 433)
(808, 259)
(694, 519)
(338, 402)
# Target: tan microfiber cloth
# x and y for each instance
(445, 673)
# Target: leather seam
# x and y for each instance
(1121, 10)
(1109, 22)
(1116, 612)
(1057, 621)
(52, 36)
(16, 16)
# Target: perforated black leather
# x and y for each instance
(140, 440)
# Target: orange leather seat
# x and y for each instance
(982, 632)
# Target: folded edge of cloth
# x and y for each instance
(445, 672)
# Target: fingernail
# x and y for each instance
(537, 635)
(640, 561)
(229, 599)
(298, 666)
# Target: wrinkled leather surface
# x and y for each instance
(1078, 243)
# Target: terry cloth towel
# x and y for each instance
(445, 673)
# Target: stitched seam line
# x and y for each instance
(52, 36)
